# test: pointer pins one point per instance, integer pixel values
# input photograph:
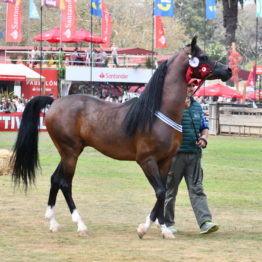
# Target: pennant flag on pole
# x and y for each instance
(211, 9)
(62, 4)
(68, 22)
(8, 1)
(106, 26)
(33, 13)
(160, 39)
(14, 22)
(164, 8)
(251, 81)
(259, 8)
(96, 8)
(51, 3)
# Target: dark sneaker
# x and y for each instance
(208, 227)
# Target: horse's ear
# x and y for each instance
(194, 42)
(193, 45)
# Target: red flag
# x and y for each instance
(8, 1)
(160, 39)
(14, 22)
(68, 23)
(251, 81)
(106, 26)
(52, 3)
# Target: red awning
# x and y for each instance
(12, 78)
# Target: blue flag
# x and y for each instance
(164, 8)
(259, 8)
(33, 13)
(211, 9)
(96, 8)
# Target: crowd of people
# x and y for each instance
(59, 57)
(12, 104)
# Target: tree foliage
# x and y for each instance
(133, 25)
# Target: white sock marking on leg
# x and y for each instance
(77, 219)
(50, 215)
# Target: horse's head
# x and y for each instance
(202, 67)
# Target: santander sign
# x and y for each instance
(113, 76)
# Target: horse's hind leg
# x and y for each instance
(50, 212)
(68, 167)
(62, 179)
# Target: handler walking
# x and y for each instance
(187, 164)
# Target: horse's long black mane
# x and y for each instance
(142, 109)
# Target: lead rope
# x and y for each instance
(198, 154)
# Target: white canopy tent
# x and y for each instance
(18, 72)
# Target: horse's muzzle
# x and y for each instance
(222, 71)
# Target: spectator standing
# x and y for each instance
(74, 56)
(34, 56)
(114, 54)
(103, 56)
(20, 106)
(60, 57)
(187, 163)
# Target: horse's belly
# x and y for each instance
(117, 151)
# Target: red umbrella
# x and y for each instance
(253, 95)
(84, 35)
(138, 89)
(51, 36)
(218, 90)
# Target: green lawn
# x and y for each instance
(113, 197)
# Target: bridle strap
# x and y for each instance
(204, 79)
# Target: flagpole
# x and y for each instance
(41, 46)
(153, 36)
(91, 54)
(256, 60)
(205, 23)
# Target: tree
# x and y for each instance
(230, 15)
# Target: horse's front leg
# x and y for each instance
(152, 173)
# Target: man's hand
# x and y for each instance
(202, 142)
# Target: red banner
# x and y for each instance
(68, 23)
(32, 87)
(106, 26)
(11, 122)
(160, 39)
(14, 22)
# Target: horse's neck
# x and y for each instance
(175, 88)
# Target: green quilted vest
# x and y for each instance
(189, 136)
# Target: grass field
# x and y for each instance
(113, 197)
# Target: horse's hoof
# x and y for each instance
(54, 230)
(83, 233)
(168, 235)
(141, 231)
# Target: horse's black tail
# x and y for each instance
(25, 156)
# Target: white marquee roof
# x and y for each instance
(19, 70)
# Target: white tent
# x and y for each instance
(18, 72)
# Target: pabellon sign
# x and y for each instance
(11, 122)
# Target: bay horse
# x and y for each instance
(145, 129)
